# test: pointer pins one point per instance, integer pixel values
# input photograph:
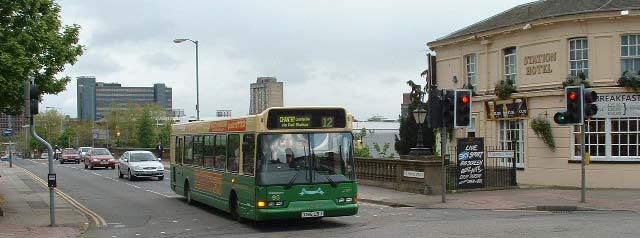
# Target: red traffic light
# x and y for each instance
(572, 96)
(465, 99)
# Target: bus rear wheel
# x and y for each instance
(187, 193)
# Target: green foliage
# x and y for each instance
(542, 128)
(505, 88)
(630, 80)
(361, 150)
(577, 80)
(145, 130)
(408, 127)
(33, 42)
(383, 152)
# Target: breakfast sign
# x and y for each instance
(516, 109)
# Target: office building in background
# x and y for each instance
(266, 92)
(95, 99)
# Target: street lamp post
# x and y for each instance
(180, 40)
(419, 115)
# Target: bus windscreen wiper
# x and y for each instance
(292, 180)
(333, 183)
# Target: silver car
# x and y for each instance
(140, 164)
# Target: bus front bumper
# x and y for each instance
(307, 209)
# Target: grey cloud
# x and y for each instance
(160, 60)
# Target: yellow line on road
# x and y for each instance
(97, 219)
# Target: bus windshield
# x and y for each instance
(305, 158)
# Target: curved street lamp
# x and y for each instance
(178, 41)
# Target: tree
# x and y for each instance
(33, 42)
(408, 126)
(145, 130)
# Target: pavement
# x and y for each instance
(521, 198)
(24, 202)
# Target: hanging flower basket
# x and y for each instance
(505, 88)
(630, 80)
(542, 128)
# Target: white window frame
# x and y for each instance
(609, 133)
(471, 70)
(505, 139)
(579, 56)
(630, 51)
(510, 65)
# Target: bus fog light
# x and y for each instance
(271, 204)
(279, 204)
(349, 200)
(340, 200)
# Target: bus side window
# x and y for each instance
(208, 152)
(233, 153)
(198, 150)
(220, 152)
(179, 142)
(188, 157)
(247, 154)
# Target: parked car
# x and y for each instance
(4, 157)
(99, 157)
(83, 151)
(139, 164)
(70, 155)
(44, 155)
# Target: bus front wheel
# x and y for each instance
(234, 207)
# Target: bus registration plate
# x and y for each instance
(313, 214)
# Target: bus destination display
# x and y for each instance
(306, 118)
(291, 122)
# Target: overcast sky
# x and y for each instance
(356, 54)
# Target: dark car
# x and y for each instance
(99, 157)
(70, 155)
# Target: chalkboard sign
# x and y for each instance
(470, 163)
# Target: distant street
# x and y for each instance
(148, 208)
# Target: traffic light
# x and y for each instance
(560, 118)
(34, 97)
(573, 97)
(590, 107)
(434, 109)
(448, 108)
(462, 108)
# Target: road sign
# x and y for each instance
(7, 132)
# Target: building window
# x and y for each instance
(612, 139)
(511, 137)
(579, 57)
(630, 49)
(470, 61)
(510, 70)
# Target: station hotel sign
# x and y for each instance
(540, 63)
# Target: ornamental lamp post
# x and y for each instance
(419, 115)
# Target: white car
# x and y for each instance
(140, 164)
(83, 151)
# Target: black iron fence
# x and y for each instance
(498, 172)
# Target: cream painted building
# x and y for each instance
(537, 45)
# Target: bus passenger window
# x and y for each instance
(179, 143)
(188, 157)
(208, 152)
(247, 154)
(220, 152)
(233, 153)
(198, 150)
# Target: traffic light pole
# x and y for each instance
(28, 112)
(583, 162)
(583, 158)
(443, 150)
(443, 142)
